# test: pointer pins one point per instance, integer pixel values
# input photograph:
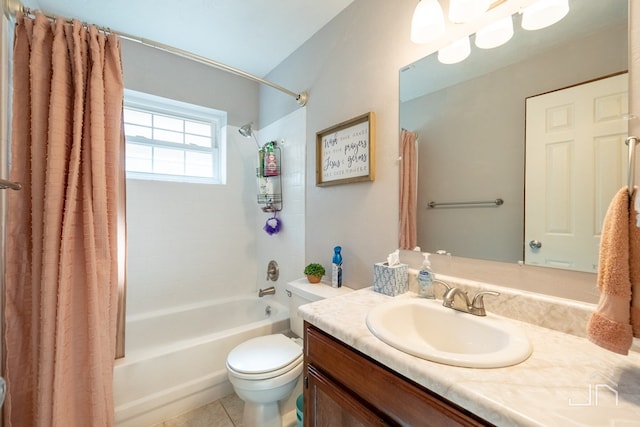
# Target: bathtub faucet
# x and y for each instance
(269, 291)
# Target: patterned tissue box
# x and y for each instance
(392, 280)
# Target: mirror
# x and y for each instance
(470, 121)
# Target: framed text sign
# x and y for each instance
(345, 152)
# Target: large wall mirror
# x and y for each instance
(470, 121)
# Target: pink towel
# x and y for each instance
(617, 318)
(634, 265)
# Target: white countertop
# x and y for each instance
(567, 381)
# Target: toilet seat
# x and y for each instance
(264, 357)
(266, 376)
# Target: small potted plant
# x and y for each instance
(314, 272)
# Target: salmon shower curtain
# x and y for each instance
(408, 190)
(62, 229)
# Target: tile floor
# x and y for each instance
(226, 412)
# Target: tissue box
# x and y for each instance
(392, 280)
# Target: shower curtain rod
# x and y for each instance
(13, 8)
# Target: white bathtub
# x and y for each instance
(175, 359)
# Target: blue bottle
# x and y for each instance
(336, 268)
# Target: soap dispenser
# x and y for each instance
(425, 279)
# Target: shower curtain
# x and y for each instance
(408, 190)
(64, 227)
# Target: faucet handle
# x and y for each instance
(478, 302)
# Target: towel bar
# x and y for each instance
(496, 202)
(631, 142)
(4, 184)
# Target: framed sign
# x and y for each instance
(345, 152)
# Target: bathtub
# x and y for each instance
(175, 359)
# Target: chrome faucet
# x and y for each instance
(475, 307)
(269, 291)
(447, 287)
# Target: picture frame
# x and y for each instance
(345, 153)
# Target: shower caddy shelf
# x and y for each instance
(269, 186)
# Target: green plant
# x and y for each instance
(314, 269)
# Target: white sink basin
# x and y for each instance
(426, 329)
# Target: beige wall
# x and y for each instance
(350, 67)
(157, 72)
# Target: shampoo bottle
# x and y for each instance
(425, 279)
(336, 268)
(270, 160)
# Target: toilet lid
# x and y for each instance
(264, 354)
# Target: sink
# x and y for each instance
(426, 329)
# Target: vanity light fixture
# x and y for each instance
(462, 11)
(544, 13)
(495, 34)
(427, 23)
(455, 52)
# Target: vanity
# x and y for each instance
(345, 387)
(353, 378)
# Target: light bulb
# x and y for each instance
(495, 34)
(427, 23)
(455, 52)
(544, 13)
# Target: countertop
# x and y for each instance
(567, 381)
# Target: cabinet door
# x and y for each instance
(330, 405)
(362, 387)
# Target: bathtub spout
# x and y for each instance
(269, 291)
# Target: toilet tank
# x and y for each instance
(302, 292)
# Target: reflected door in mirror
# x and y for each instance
(574, 165)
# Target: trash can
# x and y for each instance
(299, 410)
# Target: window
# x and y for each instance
(173, 141)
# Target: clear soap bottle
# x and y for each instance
(425, 279)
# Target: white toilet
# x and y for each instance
(266, 369)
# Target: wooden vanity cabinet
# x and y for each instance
(344, 387)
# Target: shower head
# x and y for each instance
(247, 132)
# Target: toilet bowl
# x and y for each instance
(265, 370)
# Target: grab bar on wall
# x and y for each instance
(631, 142)
(4, 184)
(496, 202)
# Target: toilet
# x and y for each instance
(265, 370)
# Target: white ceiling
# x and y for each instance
(252, 35)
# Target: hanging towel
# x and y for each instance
(634, 264)
(636, 206)
(617, 317)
